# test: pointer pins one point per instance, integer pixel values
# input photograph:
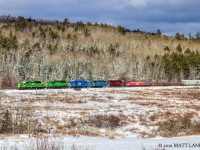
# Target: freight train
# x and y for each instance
(98, 84)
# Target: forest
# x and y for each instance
(42, 50)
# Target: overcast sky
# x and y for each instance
(170, 16)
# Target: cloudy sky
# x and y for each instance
(170, 16)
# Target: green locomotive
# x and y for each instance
(30, 85)
(55, 84)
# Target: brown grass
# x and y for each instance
(157, 105)
(179, 126)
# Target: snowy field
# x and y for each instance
(22, 142)
(105, 118)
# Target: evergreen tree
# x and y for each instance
(197, 35)
(178, 36)
(21, 23)
(66, 21)
(158, 32)
(190, 36)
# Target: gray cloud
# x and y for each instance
(170, 16)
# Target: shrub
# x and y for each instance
(179, 126)
(42, 32)
(66, 21)
(52, 48)
(47, 143)
(113, 48)
(37, 46)
(166, 49)
(86, 32)
(188, 51)
(8, 42)
(20, 23)
(53, 35)
(33, 34)
(148, 57)
(99, 121)
(69, 36)
(179, 48)
(121, 30)
(5, 122)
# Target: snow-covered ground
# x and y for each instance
(22, 142)
(137, 112)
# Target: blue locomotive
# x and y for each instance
(98, 83)
(78, 84)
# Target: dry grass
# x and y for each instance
(181, 125)
(104, 109)
(49, 143)
(99, 121)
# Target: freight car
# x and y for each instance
(191, 82)
(98, 83)
(135, 83)
(55, 84)
(30, 85)
(115, 83)
(78, 84)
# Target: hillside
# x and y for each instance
(35, 50)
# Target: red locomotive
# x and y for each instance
(115, 83)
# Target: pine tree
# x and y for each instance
(178, 36)
(158, 32)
